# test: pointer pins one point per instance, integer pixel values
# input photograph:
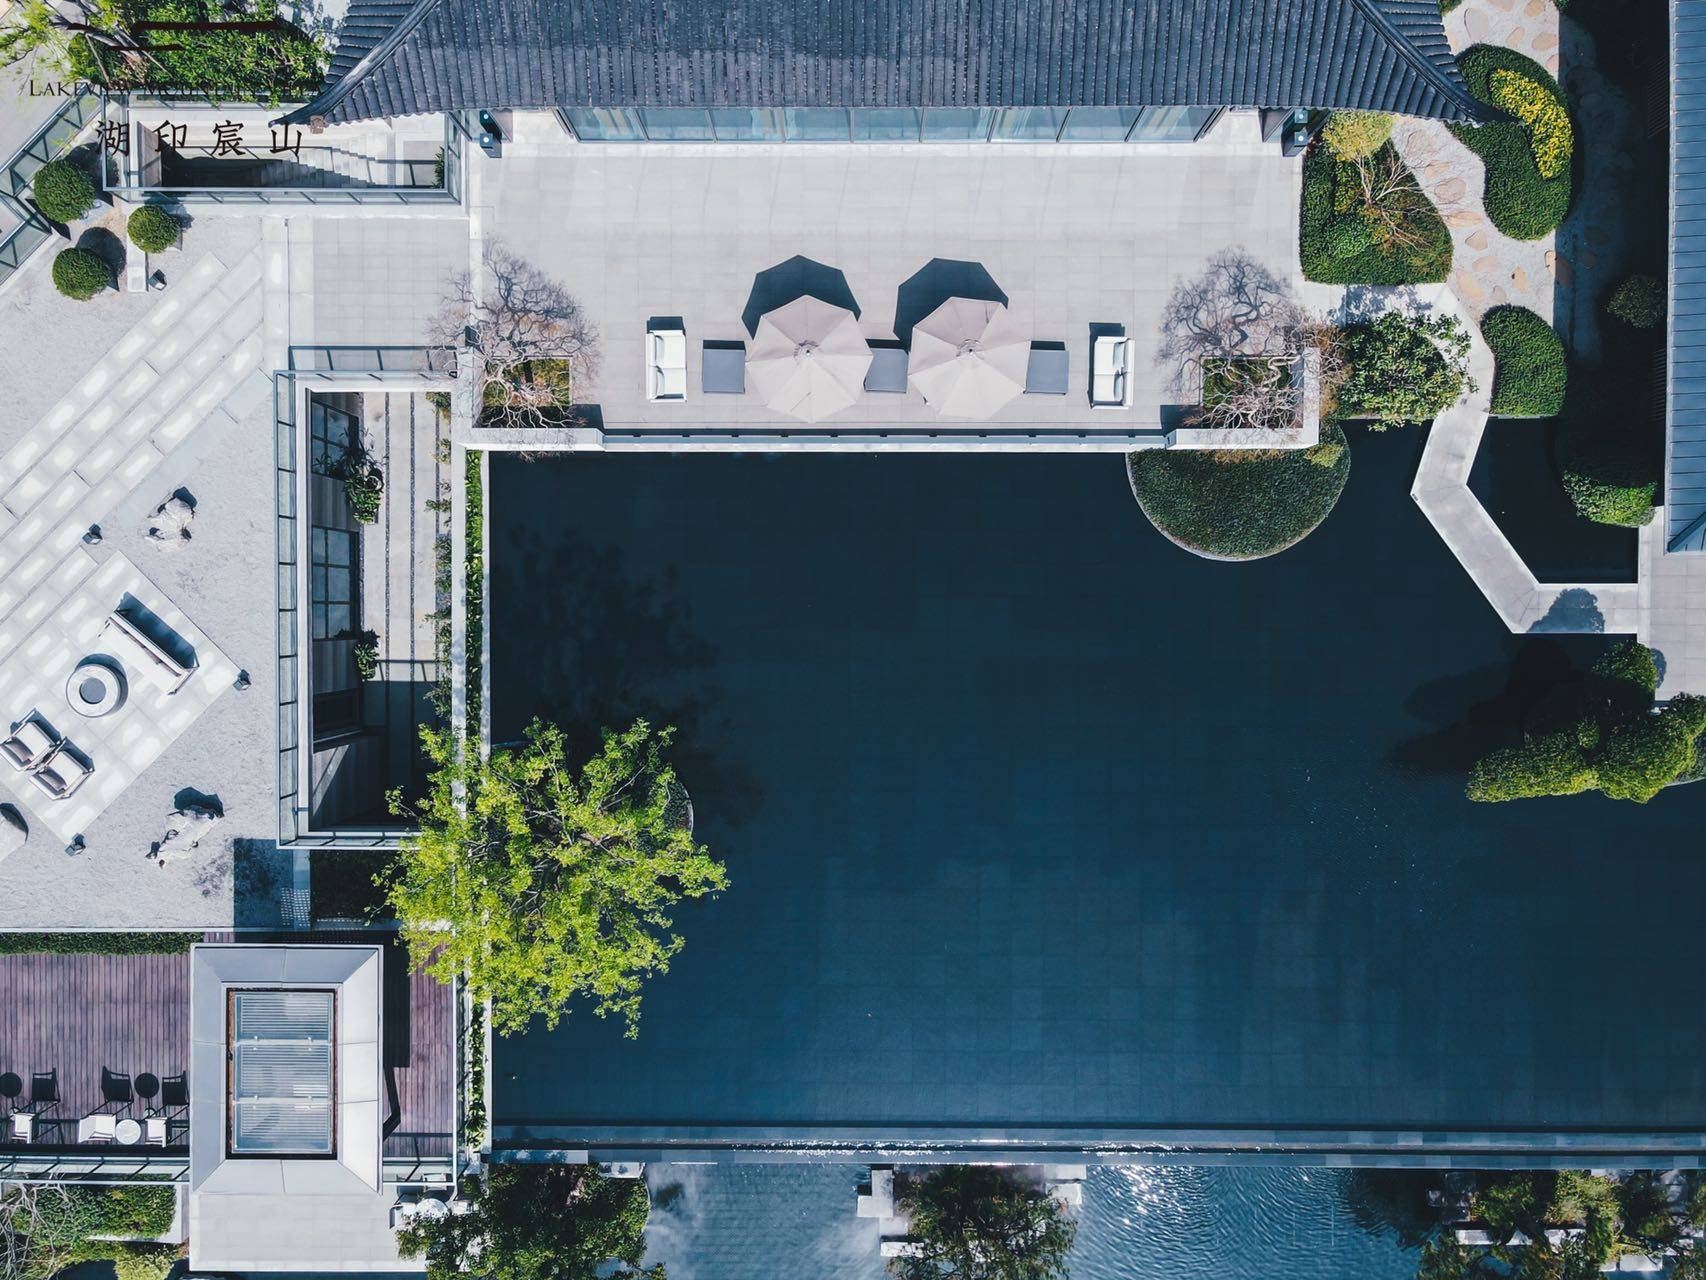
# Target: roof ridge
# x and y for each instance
(331, 95)
(1450, 85)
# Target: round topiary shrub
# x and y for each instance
(1227, 505)
(1353, 135)
(152, 229)
(1529, 368)
(1348, 237)
(1639, 302)
(79, 274)
(63, 192)
(1609, 466)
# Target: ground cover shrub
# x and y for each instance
(1610, 465)
(1354, 135)
(1542, 114)
(1523, 201)
(268, 65)
(152, 229)
(97, 944)
(1620, 745)
(1402, 368)
(79, 274)
(1240, 505)
(1638, 301)
(1529, 367)
(63, 191)
(1368, 222)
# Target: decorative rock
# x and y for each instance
(1545, 40)
(1476, 239)
(1563, 270)
(1468, 287)
(1462, 218)
(1514, 38)
(1534, 8)
(1451, 190)
(1551, 63)
(1519, 280)
(1486, 265)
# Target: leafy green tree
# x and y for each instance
(538, 1222)
(542, 883)
(1548, 764)
(43, 31)
(1625, 678)
(1643, 1204)
(978, 1222)
(1355, 135)
(1644, 755)
(1403, 368)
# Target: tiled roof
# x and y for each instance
(1685, 400)
(1387, 55)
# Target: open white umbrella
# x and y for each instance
(808, 359)
(968, 358)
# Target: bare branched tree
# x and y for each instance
(534, 346)
(1236, 340)
(30, 1248)
(1390, 200)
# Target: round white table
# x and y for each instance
(94, 688)
(127, 1132)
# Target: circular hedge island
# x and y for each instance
(1224, 505)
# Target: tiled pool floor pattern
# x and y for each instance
(1032, 819)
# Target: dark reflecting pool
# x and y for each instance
(755, 1222)
(1033, 819)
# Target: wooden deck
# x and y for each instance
(80, 1034)
(98, 1033)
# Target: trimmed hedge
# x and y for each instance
(1609, 466)
(152, 229)
(1335, 244)
(1240, 506)
(1521, 201)
(1529, 367)
(1638, 301)
(63, 191)
(96, 944)
(79, 274)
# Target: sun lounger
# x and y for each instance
(888, 369)
(136, 648)
(100, 1127)
(666, 364)
(31, 744)
(67, 770)
(1047, 371)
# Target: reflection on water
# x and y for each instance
(753, 1222)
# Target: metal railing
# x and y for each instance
(55, 137)
(116, 108)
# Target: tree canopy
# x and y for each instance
(538, 1222)
(543, 883)
(978, 1222)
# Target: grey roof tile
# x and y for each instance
(436, 55)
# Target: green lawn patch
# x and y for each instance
(1520, 200)
(1240, 505)
(1336, 243)
(1529, 367)
(97, 944)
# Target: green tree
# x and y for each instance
(1355, 135)
(63, 190)
(978, 1222)
(80, 274)
(1625, 678)
(1403, 368)
(549, 883)
(538, 1222)
(1548, 764)
(1644, 755)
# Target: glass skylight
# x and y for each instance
(281, 1073)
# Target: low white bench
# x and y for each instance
(144, 653)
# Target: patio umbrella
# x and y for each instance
(808, 359)
(969, 358)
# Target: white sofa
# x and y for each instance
(140, 652)
(666, 364)
(1110, 371)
